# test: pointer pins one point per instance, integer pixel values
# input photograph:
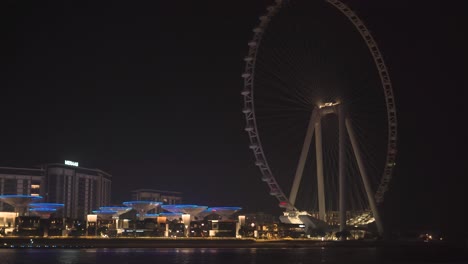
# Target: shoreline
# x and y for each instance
(396, 251)
(93, 242)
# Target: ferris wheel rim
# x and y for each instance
(249, 108)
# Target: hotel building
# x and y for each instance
(81, 190)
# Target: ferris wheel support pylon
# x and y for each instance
(303, 157)
(320, 179)
(364, 176)
(341, 168)
(314, 125)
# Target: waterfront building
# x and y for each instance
(81, 190)
(20, 181)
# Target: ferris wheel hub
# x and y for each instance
(328, 104)
(328, 108)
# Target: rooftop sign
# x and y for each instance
(71, 163)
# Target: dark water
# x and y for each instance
(211, 256)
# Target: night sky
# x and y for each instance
(150, 92)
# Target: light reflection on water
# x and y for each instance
(196, 255)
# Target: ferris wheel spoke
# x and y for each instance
(286, 93)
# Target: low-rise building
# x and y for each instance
(165, 197)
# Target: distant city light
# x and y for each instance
(71, 163)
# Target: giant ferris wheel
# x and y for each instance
(320, 112)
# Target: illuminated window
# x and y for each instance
(35, 186)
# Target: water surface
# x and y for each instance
(317, 255)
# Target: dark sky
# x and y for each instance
(150, 92)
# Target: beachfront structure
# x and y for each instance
(19, 202)
(223, 213)
(191, 209)
(142, 207)
(189, 212)
(44, 210)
